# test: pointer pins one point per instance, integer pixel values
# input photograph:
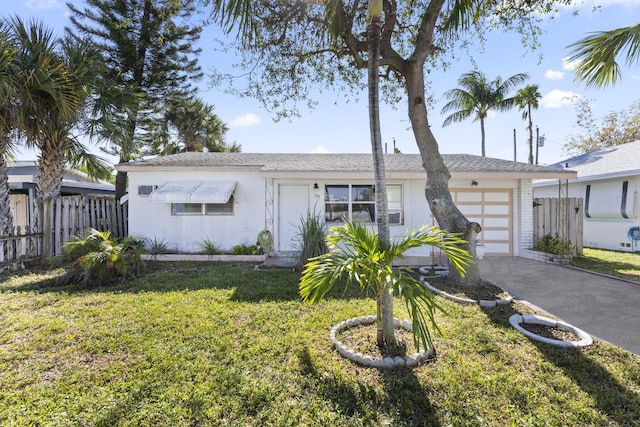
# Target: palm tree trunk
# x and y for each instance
(51, 164)
(530, 136)
(385, 328)
(437, 191)
(484, 153)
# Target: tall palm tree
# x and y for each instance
(526, 99)
(384, 316)
(477, 96)
(55, 78)
(596, 54)
(43, 90)
(240, 11)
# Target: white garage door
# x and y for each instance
(493, 210)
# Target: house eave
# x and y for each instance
(124, 167)
(598, 177)
(415, 175)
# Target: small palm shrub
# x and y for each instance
(98, 259)
(358, 256)
(208, 247)
(157, 246)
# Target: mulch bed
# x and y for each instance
(484, 291)
(362, 339)
(550, 332)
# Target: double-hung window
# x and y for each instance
(359, 202)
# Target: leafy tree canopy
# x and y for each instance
(618, 127)
(298, 48)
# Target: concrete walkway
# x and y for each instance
(606, 308)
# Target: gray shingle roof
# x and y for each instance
(359, 162)
(622, 159)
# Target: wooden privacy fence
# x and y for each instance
(559, 216)
(71, 216)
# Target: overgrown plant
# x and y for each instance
(99, 259)
(553, 245)
(357, 255)
(208, 247)
(311, 238)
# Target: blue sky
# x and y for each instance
(336, 126)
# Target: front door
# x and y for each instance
(293, 204)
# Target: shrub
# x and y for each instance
(98, 259)
(157, 246)
(553, 245)
(208, 247)
(311, 238)
(246, 250)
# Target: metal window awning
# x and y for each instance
(194, 192)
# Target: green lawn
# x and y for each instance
(199, 344)
(620, 264)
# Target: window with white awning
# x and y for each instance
(215, 192)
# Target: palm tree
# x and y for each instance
(384, 315)
(358, 255)
(56, 77)
(190, 125)
(526, 99)
(596, 54)
(476, 96)
(43, 90)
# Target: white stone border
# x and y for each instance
(462, 300)
(410, 361)
(533, 319)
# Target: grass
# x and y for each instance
(620, 264)
(212, 344)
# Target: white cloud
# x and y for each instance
(245, 121)
(558, 99)
(569, 65)
(320, 149)
(554, 75)
(43, 4)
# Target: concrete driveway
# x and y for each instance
(606, 308)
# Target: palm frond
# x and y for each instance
(596, 55)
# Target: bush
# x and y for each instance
(208, 247)
(553, 245)
(311, 238)
(246, 250)
(157, 246)
(98, 259)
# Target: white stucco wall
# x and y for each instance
(603, 233)
(184, 233)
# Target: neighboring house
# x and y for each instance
(229, 198)
(23, 180)
(608, 182)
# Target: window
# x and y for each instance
(145, 190)
(359, 202)
(180, 209)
